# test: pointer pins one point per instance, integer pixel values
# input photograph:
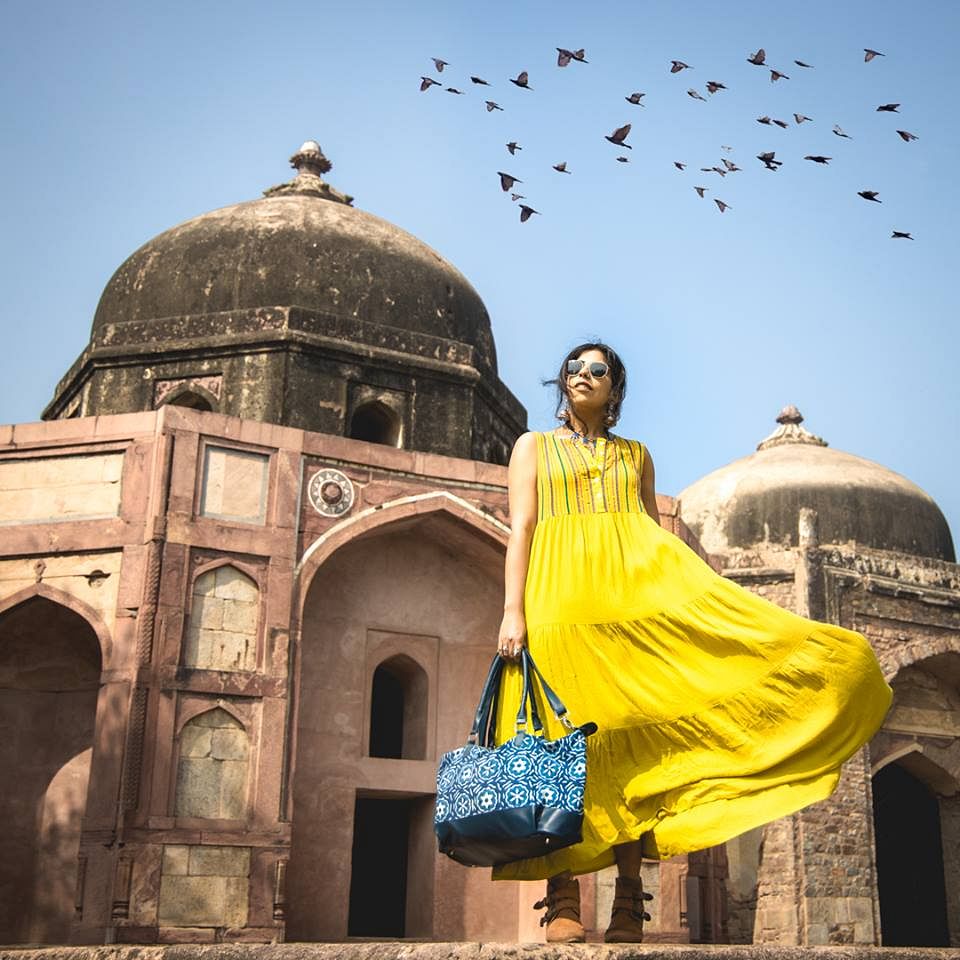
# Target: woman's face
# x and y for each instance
(587, 392)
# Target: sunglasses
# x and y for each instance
(598, 369)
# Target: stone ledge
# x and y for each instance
(406, 950)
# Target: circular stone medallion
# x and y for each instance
(330, 492)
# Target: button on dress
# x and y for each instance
(717, 710)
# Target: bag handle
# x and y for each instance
(491, 686)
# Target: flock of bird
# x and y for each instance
(618, 137)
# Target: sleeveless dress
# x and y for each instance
(717, 710)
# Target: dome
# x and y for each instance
(303, 240)
(757, 499)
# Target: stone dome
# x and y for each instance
(757, 499)
(302, 239)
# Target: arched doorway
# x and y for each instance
(50, 666)
(398, 628)
(910, 874)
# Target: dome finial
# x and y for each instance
(310, 164)
(790, 430)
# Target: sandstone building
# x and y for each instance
(250, 581)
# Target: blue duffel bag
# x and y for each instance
(519, 800)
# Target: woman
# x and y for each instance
(717, 710)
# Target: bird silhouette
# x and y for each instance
(729, 164)
(799, 117)
(869, 195)
(701, 191)
(521, 80)
(427, 82)
(840, 133)
(623, 159)
(634, 98)
(713, 86)
(777, 75)
(565, 56)
(479, 80)
(781, 123)
(818, 158)
(800, 63)
(679, 165)
(888, 108)
(696, 96)
(619, 136)
(758, 59)
(723, 146)
(561, 167)
(517, 196)
(455, 90)
(513, 147)
(492, 106)
(768, 160)
(906, 136)
(439, 64)
(900, 235)
(525, 212)
(722, 206)
(507, 180)
(765, 120)
(677, 65)
(869, 54)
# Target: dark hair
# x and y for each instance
(618, 384)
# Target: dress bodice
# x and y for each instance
(573, 478)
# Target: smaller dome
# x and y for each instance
(757, 499)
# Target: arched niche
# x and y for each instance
(212, 767)
(399, 691)
(50, 668)
(375, 422)
(223, 620)
(193, 397)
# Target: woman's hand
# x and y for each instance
(513, 635)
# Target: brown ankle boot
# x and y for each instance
(563, 911)
(627, 916)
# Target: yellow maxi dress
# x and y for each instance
(717, 710)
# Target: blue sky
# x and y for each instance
(122, 120)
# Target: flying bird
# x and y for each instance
(565, 56)
(492, 106)
(713, 86)
(439, 64)
(906, 136)
(517, 196)
(817, 158)
(427, 82)
(561, 167)
(757, 59)
(869, 195)
(696, 96)
(679, 165)
(723, 146)
(800, 63)
(525, 212)
(888, 108)
(619, 136)
(521, 80)
(634, 98)
(781, 123)
(768, 160)
(677, 65)
(765, 120)
(456, 91)
(507, 181)
(777, 75)
(479, 80)
(723, 206)
(799, 117)
(869, 54)
(623, 159)
(513, 147)
(700, 191)
(729, 164)
(900, 235)
(840, 133)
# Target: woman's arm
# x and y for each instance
(522, 484)
(647, 491)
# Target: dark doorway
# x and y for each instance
(913, 898)
(386, 714)
(378, 879)
(375, 423)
